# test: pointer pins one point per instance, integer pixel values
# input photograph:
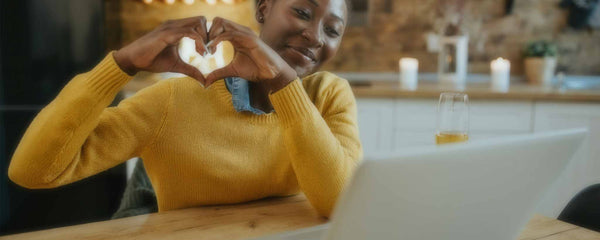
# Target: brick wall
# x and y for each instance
(397, 28)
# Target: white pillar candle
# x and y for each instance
(500, 75)
(409, 71)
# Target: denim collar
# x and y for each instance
(240, 95)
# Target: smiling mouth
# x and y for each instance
(304, 52)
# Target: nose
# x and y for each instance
(313, 36)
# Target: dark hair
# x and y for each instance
(348, 5)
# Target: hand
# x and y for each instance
(253, 59)
(157, 50)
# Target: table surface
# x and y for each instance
(373, 88)
(521, 91)
(252, 219)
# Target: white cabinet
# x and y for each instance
(500, 117)
(375, 116)
(584, 168)
(554, 116)
(414, 124)
(387, 125)
(392, 124)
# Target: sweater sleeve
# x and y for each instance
(76, 135)
(324, 149)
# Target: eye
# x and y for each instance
(302, 14)
(332, 32)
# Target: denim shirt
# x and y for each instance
(240, 95)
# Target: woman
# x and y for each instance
(197, 148)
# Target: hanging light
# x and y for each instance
(211, 2)
(146, 1)
(228, 1)
(188, 2)
(169, 1)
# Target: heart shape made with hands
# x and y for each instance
(207, 63)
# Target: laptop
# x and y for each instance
(476, 190)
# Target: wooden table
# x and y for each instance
(249, 220)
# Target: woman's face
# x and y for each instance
(305, 33)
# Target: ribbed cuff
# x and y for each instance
(107, 78)
(291, 103)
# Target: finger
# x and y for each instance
(186, 22)
(200, 42)
(220, 73)
(216, 28)
(190, 71)
(222, 26)
(202, 31)
(198, 24)
(173, 36)
(228, 36)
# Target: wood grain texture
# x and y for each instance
(391, 90)
(247, 220)
(521, 91)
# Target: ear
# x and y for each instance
(262, 9)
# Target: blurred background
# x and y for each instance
(44, 43)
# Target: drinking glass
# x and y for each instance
(452, 118)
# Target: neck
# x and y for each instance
(259, 96)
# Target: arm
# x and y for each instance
(76, 136)
(324, 149)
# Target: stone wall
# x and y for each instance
(397, 28)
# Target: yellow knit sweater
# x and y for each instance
(196, 148)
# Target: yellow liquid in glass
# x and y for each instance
(449, 137)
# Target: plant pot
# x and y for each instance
(540, 70)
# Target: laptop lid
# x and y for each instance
(477, 190)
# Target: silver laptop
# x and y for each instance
(477, 190)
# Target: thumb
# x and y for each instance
(218, 74)
(191, 71)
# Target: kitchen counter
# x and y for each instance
(387, 85)
(386, 89)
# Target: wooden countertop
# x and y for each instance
(247, 220)
(517, 91)
(392, 89)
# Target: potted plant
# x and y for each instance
(540, 62)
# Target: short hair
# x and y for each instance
(348, 5)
